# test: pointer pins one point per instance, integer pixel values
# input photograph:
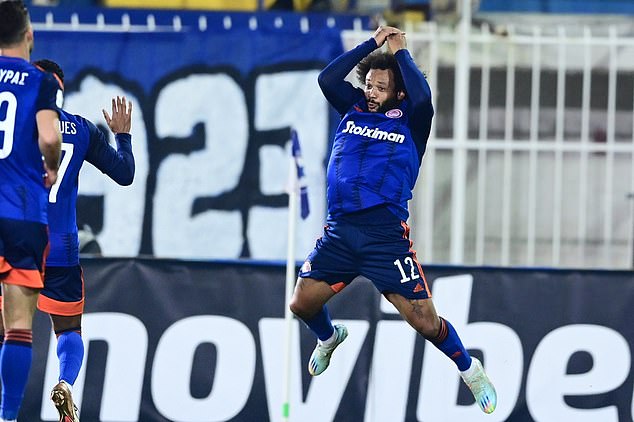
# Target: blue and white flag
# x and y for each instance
(301, 176)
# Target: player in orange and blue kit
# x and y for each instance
(63, 294)
(29, 159)
(373, 167)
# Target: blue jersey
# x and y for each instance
(82, 141)
(375, 157)
(24, 90)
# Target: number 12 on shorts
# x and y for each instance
(408, 261)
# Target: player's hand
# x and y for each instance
(121, 120)
(383, 32)
(396, 42)
(50, 177)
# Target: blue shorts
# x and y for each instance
(23, 250)
(372, 243)
(63, 292)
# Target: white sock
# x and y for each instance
(469, 371)
(331, 340)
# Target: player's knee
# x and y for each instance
(66, 323)
(297, 307)
(428, 327)
(304, 307)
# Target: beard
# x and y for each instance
(388, 105)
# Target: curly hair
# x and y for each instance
(14, 22)
(380, 60)
(51, 67)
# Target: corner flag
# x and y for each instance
(301, 177)
(291, 265)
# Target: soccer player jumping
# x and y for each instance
(375, 159)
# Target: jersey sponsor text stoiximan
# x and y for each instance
(374, 133)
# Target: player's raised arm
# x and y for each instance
(118, 163)
(340, 93)
(418, 90)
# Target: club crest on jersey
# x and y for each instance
(374, 133)
(395, 113)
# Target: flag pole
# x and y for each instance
(298, 190)
(290, 283)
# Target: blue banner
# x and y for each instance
(214, 105)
